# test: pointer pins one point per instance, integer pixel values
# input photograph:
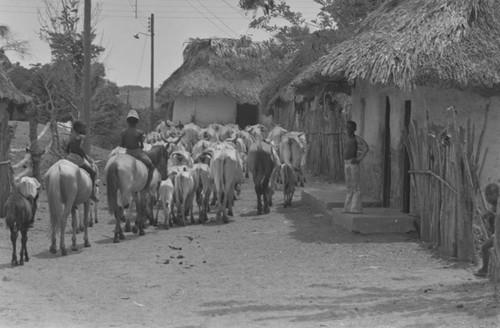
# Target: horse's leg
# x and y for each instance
(138, 227)
(74, 212)
(13, 239)
(124, 208)
(91, 221)
(24, 240)
(75, 218)
(95, 213)
(118, 228)
(63, 219)
(86, 209)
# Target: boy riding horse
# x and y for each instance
(78, 156)
(133, 140)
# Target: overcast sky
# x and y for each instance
(127, 59)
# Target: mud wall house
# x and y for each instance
(10, 99)
(410, 58)
(320, 113)
(218, 82)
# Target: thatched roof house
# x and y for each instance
(407, 43)
(9, 94)
(279, 89)
(217, 76)
(409, 58)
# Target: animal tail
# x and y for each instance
(53, 183)
(112, 187)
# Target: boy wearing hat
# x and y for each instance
(132, 139)
(77, 155)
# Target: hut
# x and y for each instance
(218, 82)
(410, 59)
(319, 112)
(10, 98)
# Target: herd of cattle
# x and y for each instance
(216, 159)
(203, 161)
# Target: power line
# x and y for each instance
(218, 18)
(207, 18)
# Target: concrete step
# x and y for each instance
(333, 197)
(375, 219)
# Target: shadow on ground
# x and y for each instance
(339, 303)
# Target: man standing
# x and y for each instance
(355, 150)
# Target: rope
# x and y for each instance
(5, 162)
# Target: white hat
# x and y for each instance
(133, 113)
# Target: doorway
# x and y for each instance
(406, 162)
(386, 156)
(247, 114)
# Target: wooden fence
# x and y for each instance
(445, 167)
(323, 121)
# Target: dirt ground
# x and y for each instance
(290, 268)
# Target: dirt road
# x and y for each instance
(290, 268)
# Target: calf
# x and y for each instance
(165, 197)
(20, 209)
(184, 192)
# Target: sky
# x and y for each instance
(127, 59)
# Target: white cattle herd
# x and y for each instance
(215, 160)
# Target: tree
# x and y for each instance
(340, 15)
(8, 42)
(62, 30)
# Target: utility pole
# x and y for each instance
(86, 72)
(152, 33)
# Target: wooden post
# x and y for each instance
(152, 33)
(86, 72)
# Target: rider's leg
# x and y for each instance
(87, 167)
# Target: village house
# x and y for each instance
(10, 98)
(219, 82)
(410, 59)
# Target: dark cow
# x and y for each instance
(261, 162)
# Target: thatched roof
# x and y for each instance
(9, 93)
(237, 68)
(279, 88)
(446, 43)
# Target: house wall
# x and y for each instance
(205, 110)
(368, 110)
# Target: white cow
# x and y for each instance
(203, 183)
(165, 197)
(227, 172)
(184, 193)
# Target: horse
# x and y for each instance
(125, 178)
(67, 186)
(20, 210)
